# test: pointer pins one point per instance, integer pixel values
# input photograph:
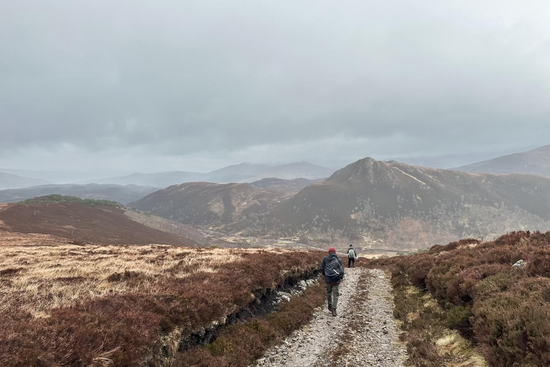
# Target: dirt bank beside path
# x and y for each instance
(363, 334)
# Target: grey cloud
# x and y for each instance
(225, 79)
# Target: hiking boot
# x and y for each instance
(334, 312)
(329, 308)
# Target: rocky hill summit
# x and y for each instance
(399, 204)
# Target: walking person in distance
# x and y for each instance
(333, 271)
(352, 256)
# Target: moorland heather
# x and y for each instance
(504, 309)
(99, 305)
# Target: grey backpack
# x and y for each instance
(334, 270)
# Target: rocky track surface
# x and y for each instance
(363, 334)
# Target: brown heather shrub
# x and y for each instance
(513, 238)
(505, 310)
(461, 288)
(78, 335)
(458, 317)
(453, 245)
(514, 326)
(496, 284)
(417, 269)
(538, 263)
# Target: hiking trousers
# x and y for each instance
(351, 262)
(332, 295)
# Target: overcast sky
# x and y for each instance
(194, 85)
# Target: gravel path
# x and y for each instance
(363, 334)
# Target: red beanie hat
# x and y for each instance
(332, 249)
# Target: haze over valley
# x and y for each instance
(375, 204)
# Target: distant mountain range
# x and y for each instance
(294, 170)
(159, 180)
(244, 172)
(235, 173)
(121, 194)
(533, 162)
(55, 177)
(381, 204)
(10, 181)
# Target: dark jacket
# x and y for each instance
(324, 263)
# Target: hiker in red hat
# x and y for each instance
(333, 270)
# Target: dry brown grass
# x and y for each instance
(28, 239)
(60, 274)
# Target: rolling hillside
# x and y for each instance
(11, 181)
(533, 162)
(209, 204)
(122, 194)
(82, 224)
